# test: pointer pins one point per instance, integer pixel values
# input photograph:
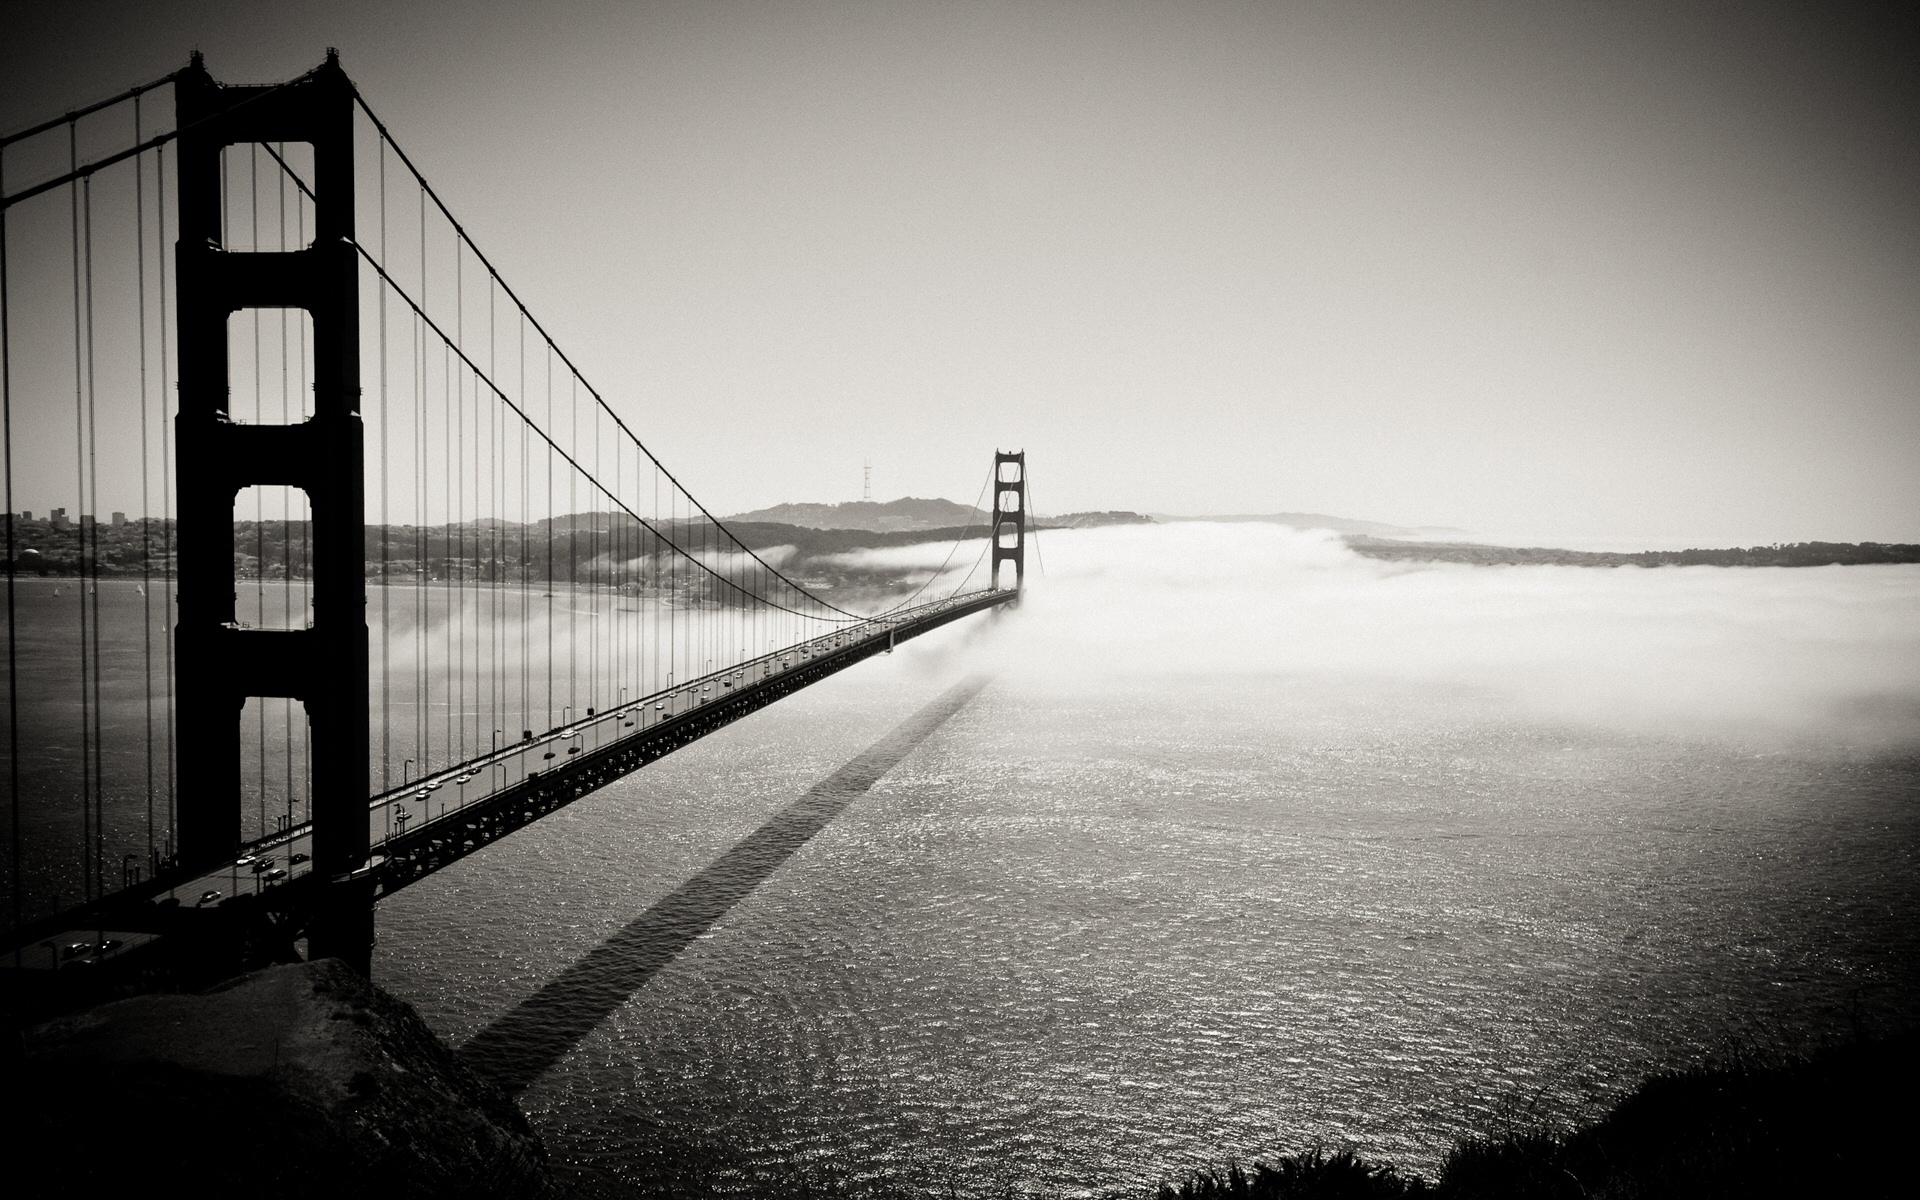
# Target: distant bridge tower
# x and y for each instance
(222, 664)
(1010, 516)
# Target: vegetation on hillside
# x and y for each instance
(1828, 1124)
(1094, 520)
(906, 513)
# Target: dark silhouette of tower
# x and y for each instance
(1010, 516)
(221, 664)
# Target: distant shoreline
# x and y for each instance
(500, 551)
(1797, 554)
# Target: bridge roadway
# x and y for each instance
(441, 818)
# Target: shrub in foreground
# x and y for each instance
(1831, 1124)
(1313, 1175)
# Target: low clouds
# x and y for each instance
(1822, 653)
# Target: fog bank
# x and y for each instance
(1821, 653)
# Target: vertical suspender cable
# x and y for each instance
(1032, 515)
(13, 659)
(90, 597)
(550, 524)
(490, 532)
(386, 530)
(166, 475)
(593, 582)
(456, 515)
(80, 564)
(423, 676)
(302, 388)
(494, 582)
(450, 685)
(146, 528)
(286, 510)
(618, 552)
(524, 623)
(259, 494)
(573, 546)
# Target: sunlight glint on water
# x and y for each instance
(1116, 918)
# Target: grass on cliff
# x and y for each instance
(1836, 1123)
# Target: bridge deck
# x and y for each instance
(441, 818)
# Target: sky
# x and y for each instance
(1595, 271)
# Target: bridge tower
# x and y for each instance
(222, 664)
(1010, 516)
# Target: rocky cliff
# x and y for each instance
(294, 1080)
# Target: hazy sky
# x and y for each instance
(1588, 269)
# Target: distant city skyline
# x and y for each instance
(1635, 270)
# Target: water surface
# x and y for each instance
(1111, 920)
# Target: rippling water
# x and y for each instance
(1101, 925)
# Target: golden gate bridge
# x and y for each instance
(385, 578)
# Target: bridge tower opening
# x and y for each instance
(1009, 516)
(325, 665)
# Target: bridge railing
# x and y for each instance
(450, 790)
(447, 802)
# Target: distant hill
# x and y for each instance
(895, 516)
(1322, 521)
(1093, 520)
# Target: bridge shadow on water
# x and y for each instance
(516, 1049)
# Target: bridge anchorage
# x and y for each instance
(393, 580)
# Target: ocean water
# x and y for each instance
(1249, 846)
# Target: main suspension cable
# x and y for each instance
(555, 448)
(427, 188)
(77, 172)
(954, 549)
(455, 344)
